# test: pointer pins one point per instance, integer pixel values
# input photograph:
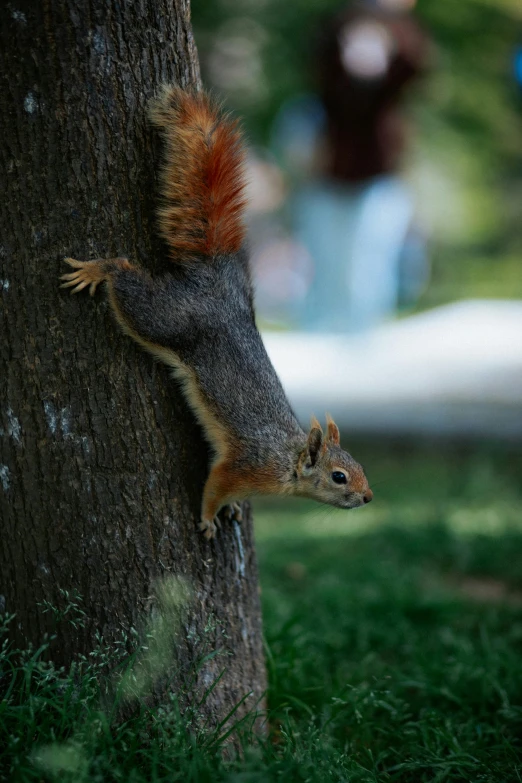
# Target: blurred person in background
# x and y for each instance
(356, 253)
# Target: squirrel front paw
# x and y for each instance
(209, 527)
(233, 511)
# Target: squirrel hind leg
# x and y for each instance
(90, 273)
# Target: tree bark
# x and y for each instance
(101, 464)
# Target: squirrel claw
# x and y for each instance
(88, 273)
(209, 527)
(233, 511)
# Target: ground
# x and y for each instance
(394, 640)
(395, 632)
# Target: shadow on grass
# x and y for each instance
(402, 646)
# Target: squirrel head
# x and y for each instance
(326, 473)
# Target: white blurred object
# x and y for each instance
(282, 272)
(366, 49)
(456, 369)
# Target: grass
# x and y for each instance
(394, 639)
(395, 633)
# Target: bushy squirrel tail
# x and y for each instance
(202, 180)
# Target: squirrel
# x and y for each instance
(199, 320)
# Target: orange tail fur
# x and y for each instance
(202, 178)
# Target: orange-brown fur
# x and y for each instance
(202, 179)
(232, 479)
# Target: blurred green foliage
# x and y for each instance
(465, 160)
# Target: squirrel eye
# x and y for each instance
(339, 477)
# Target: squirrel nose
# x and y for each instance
(368, 495)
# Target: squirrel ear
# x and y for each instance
(315, 440)
(332, 432)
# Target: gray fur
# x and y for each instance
(203, 311)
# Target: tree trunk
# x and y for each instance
(101, 464)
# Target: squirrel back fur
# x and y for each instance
(202, 180)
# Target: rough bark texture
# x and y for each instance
(101, 463)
